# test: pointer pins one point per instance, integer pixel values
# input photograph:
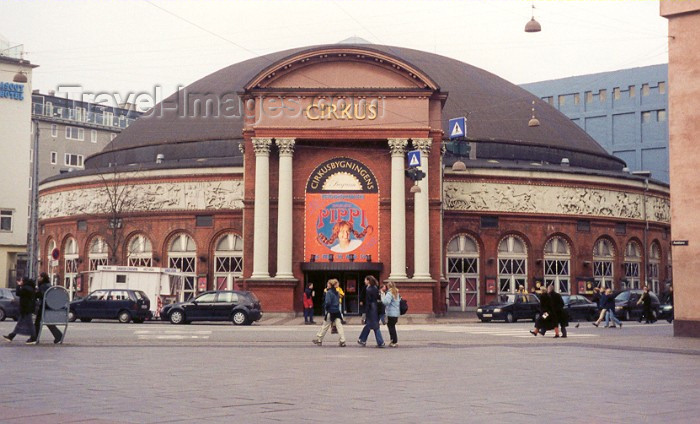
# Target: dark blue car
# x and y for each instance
(119, 304)
(239, 307)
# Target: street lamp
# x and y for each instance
(646, 175)
(34, 217)
(533, 25)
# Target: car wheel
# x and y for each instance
(177, 317)
(124, 317)
(627, 316)
(2, 314)
(509, 317)
(85, 319)
(537, 316)
(239, 318)
(71, 316)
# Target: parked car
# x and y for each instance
(240, 307)
(122, 305)
(665, 312)
(626, 307)
(578, 308)
(510, 308)
(9, 304)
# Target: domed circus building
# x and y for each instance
(289, 168)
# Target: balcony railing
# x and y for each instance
(74, 115)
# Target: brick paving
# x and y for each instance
(451, 373)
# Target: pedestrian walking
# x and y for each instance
(598, 298)
(381, 308)
(308, 302)
(547, 319)
(44, 284)
(558, 306)
(372, 309)
(609, 305)
(647, 313)
(26, 293)
(392, 302)
(332, 314)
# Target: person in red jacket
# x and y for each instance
(309, 304)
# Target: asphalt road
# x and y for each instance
(469, 372)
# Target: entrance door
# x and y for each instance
(352, 283)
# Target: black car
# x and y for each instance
(123, 305)
(9, 304)
(240, 307)
(578, 308)
(510, 308)
(626, 307)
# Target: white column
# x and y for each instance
(421, 231)
(284, 210)
(261, 218)
(398, 209)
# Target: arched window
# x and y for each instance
(51, 263)
(462, 273)
(603, 260)
(228, 258)
(182, 254)
(140, 252)
(70, 261)
(654, 265)
(512, 265)
(557, 260)
(98, 254)
(633, 261)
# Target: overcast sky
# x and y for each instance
(134, 45)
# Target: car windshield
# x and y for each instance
(622, 297)
(504, 298)
(566, 299)
(140, 295)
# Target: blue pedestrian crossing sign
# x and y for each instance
(457, 128)
(414, 158)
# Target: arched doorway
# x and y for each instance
(512, 264)
(557, 260)
(182, 254)
(462, 273)
(603, 261)
(228, 261)
(70, 266)
(633, 262)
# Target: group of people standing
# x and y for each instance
(552, 314)
(606, 304)
(386, 296)
(30, 302)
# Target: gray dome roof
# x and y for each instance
(498, 113)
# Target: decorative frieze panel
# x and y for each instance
(527, 198)
(201, 195)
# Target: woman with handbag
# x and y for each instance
(372, 318)
(392, 301)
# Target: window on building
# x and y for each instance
(75, 133)
(98, 253)
(93, 136)
(633, 261)
(646, 117)
(645, 90)
(549, 100)
(54, 130)
(48, 109)
(108, 118)
(621, 228)
(228, 261)
(589, 96)
(54, 158)
(603, 260)
(512, 264)
(583, 226)
(80, 114)
(140, 252)
(562, 100)
(616, 93)
(73, 159)
(182, 255)
(462, 273)
(489, 222)
(577, 98)
(6, 220)
(662, 87)
(632, 91)
(204, 220)
(661, 115)
(557, 260)
(654, 265)
(82, 225)
(603, 95)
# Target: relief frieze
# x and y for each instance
(581, 201)
(204, 195)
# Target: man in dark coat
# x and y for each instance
(44, 284)
(548, 319)
(646, 301)
(558, 307)
(25, 292)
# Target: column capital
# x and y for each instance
(285, 145)
(423, 144)
(398, 146)
(261, 145)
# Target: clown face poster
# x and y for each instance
(342, 213)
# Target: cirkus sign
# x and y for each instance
(343, 110)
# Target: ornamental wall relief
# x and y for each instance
(496, 197)
(204, 195)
